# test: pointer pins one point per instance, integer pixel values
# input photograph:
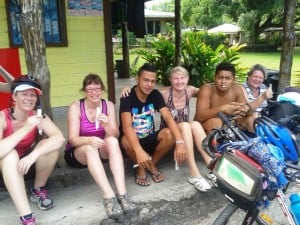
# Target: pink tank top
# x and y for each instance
(88, 128)
(24, 146)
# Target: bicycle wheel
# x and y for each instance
(233, 215)
(224, 216)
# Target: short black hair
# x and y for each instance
(146, 67)
(227, 66)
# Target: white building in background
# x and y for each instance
(233, 32)
(155, 21)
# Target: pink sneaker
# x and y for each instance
(30, 221)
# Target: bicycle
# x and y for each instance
(255, 212)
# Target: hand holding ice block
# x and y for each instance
(98, 111)
(39, 113)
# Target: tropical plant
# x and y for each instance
(199, 59)
(162, 57)
(232, 55)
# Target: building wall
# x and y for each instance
(68, 65)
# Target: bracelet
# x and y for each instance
(179, 142)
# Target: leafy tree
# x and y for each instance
(254, 16)
(258, 15)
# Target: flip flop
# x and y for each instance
(142, 181)
(157, 177)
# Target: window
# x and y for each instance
(54, 23)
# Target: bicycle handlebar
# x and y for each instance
(226, 121)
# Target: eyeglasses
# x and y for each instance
(91, 90)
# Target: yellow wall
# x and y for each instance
(68, 65)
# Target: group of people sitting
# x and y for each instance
(31, 141)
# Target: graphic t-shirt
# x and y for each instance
(143, 113)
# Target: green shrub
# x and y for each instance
(162, 57)
(212, 40)
(232, 55)
(199, 59)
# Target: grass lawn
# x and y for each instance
(271, 60)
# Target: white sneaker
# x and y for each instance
(200, 183)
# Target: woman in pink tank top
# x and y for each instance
(93, 135)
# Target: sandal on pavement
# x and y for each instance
(212, 177)
(112, 207)
(200, 183)
(142, 181)
(157, 177)
(126, 203)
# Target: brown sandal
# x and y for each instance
(157, 177)
(142, 181)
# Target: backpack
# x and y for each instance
(279, 110)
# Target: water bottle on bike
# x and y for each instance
(295, 207)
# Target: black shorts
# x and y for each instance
(71, 160)
(149, 143)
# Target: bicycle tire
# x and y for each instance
(224, 216)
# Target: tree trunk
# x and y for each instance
(177, 34)
(288, 43)
(35, 47)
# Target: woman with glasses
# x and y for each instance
(93, 136)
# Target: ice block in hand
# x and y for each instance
(98, 111)
(39, 113)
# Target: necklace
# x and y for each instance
(255, 92)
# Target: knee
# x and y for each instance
(185, 126)
(111, 141)
(214, 123)
(11, 158)
(167, 135)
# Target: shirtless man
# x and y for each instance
(224, 95)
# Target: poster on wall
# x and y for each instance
(53, 17)
(85, 7)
